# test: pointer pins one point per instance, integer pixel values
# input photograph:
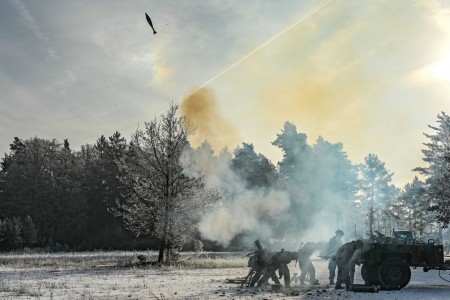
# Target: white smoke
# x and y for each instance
(243, 213)
(240, 210)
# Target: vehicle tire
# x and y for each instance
(370, 274)
(365, 274)
(394, 272)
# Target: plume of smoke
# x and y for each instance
(305, 210)
(240, 210)
(200, 110)
(243, 213)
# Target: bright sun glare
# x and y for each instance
(441, 69)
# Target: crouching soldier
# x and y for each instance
(259, 262)
(305, 263)
(279, 261)
(343, 260)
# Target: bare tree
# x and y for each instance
(162, 201)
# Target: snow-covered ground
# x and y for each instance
(149, 283)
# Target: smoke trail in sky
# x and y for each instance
(268, 42)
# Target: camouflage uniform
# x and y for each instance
(279, 261)
(305, 263)
(333, 245)
(343, 258)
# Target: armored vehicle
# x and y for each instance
(387, 261)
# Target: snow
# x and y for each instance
(150, 283)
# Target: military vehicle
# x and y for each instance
(387, 260)
(403, 234)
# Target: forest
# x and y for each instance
(156, 191)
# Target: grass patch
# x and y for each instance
(19, 290)
(117, 259)
(214, 263)
(71, 260)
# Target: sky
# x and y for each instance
(369, 74)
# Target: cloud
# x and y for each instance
(28, 19)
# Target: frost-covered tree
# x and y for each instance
(376, 192)
(162, 201)
(437, 174)
(414, 205)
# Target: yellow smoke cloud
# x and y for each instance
(201, 112)
(345, 74)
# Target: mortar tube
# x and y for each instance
(258, 245)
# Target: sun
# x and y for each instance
(441, 69)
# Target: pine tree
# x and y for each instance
(103, 188)
(376, 192)
(319, 178)
(2, 232)
(414, 204)
(13, 237)
(42, 181)
(255, 169)
(437, 174)
(29, 232)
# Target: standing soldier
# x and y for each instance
(333, 246)
(343, 260)
(305, 263)
(355, 260)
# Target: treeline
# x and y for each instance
(62, 196)
(105, 194)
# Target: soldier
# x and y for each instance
(333, 245)
(279, 261)
(355, 260)
(305, 263)
(343, 259)
(258, 262)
